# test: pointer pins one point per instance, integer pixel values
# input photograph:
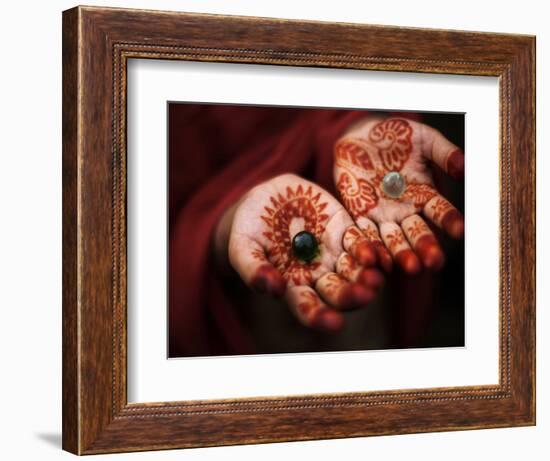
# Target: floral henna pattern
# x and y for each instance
(383, 176)
(440, 207)
(361, 164)
(358, 195)
(362, 170)
(371, 234)
(393, 139)
(417, 228)
(332, 283)
(299, 203)
(258, 254)
(419, 194)
(349, 151)
(395, 239)
(346, 266)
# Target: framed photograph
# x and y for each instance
(280, 230)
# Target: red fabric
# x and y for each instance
(217, 153)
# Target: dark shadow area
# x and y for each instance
(51, 438)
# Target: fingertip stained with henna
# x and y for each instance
(371, 277)
(408, 261)
(453, 223)
(455, 164)
(314, 314)
(328, 320)
(430, 252)
(384, 256)
(355, 295)
(268, 280)
(365, 253)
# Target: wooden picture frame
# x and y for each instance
(97, 43)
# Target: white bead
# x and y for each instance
(393, 184)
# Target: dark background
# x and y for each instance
(448, 323)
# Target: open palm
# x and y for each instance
(260, 249)
(383, 174)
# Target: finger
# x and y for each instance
(399, 247)
(423, 241)
(442, 152)
(248, 258)
(311, 311)
(445, 215)
(341, 294)
(370, 231)
(356, 244)
(347, 267)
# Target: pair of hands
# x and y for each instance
(366, 231)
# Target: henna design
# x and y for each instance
(371, 234)
(430, 252)
(417, 228)
(455, 164)
(299, 272)
(395, 239)
(350, 238)
(310, 303)
(408, 260)
(341, 294)
(298, 203)
(350, 151)
(368, 277)
(354, 232)
(268, 279)
(359, 247)
(332, 283)
(440, 207)
(393, 139)
(445, 215)
(346, 266)
(358, 195)
(362, 162)
(419, 194)
(314, 313)
(258, 254)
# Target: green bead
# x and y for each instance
(305, 246)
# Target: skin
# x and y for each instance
(395, 227)
(256, 235)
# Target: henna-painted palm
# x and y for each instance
(376, 147)
(260, 250)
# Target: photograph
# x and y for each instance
(283, 230)
(313, 229)
(275, 230)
